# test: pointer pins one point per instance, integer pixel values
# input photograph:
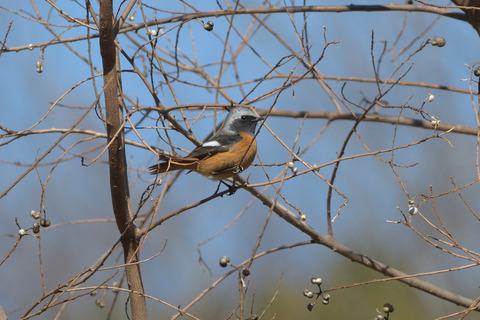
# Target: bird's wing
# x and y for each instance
(220, 143)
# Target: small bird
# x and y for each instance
(228, 153)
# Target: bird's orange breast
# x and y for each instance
(224, 165)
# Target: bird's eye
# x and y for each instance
(244, 117)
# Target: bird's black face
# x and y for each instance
(245, 123)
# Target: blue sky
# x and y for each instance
(76, 192)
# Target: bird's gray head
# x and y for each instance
(240, 119)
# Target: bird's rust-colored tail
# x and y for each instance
(172, 164)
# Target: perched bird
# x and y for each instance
(228, 153)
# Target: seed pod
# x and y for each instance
(208, 25)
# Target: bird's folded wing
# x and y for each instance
(221, 143)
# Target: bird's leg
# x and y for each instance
(231, 188)
(218, 187)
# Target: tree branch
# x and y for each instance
(378, 266)
(264, 10)
(117, 161)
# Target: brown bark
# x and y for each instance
(473, 15)
(117, 161)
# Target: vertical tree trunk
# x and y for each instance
(117, 161)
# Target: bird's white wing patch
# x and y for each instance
(212, 143)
